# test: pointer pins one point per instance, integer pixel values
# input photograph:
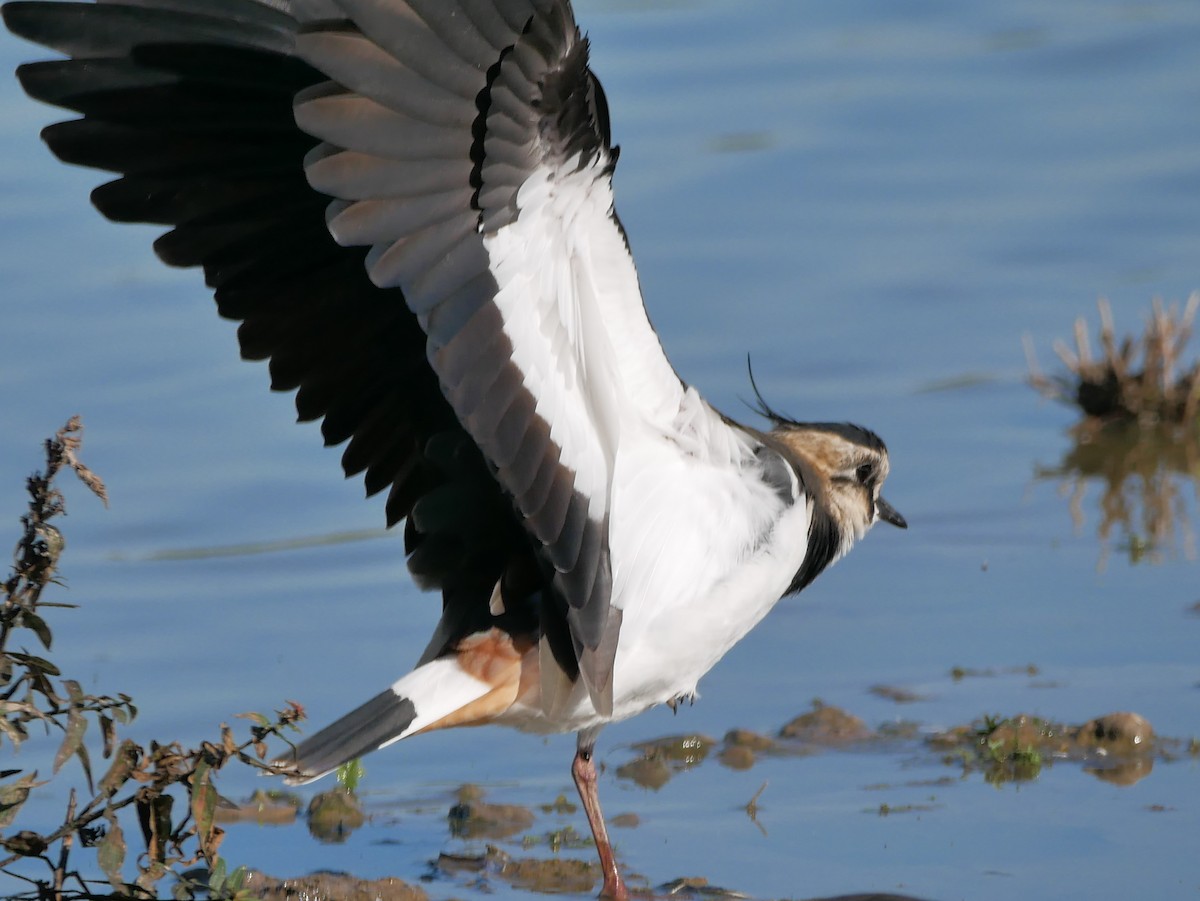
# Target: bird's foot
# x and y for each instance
(679, 699)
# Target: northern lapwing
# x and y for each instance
(408, 205)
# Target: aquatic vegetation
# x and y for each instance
(1118, 747)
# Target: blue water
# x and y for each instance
(876, 201)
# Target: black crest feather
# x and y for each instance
(760, 405)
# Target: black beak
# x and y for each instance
(888, 513)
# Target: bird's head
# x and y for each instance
(850, 464)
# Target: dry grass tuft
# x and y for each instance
(1138, 381)
(1140, 438)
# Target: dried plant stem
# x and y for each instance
(64, 851)
(34, 692)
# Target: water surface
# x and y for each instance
(876, 201)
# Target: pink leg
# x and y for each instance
(584, 772)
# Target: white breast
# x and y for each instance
(702, 549)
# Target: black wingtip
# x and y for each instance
(38, 21)
(18, 19)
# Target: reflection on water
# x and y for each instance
(1144, 476)
(659, 760)
(254, 548)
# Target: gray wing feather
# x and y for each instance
(354, 223)
(373, 128)
(440, 113)
(190, 103)
(350, 175)
(351, 59)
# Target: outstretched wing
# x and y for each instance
(466, 148)
(191, 103)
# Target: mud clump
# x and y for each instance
(662, 758)
(626, 821)
(826, 726)
(737, 757)
(478, 819)
(685, 750)
(333, 815)
(557, 875)
(895, 694)
(264, 808)
(1117, 733)
(1126, 741)
(744, 738)
(330, 887)
(741, 747)
(1117, 747)
(560, 805)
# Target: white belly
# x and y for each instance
(700, 554)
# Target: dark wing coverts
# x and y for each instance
(372, 294)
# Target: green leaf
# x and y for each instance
(13, 795)
(110, 853)
(27, 843)
(155, 815)
(32, 621)
(350, 774)
(127, 713)
(85, 761)
(217, 879)
(109, 732)
(237, 879)
(122, 767)
(204, 806)
(15, 732)
(191, 883)
(74, 692)
(33, 662)
(151, 873)
(72, 742)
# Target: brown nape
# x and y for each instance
(814, 448)
(509, 664)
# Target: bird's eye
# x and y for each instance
(864, 473)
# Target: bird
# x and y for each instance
(408, 206)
